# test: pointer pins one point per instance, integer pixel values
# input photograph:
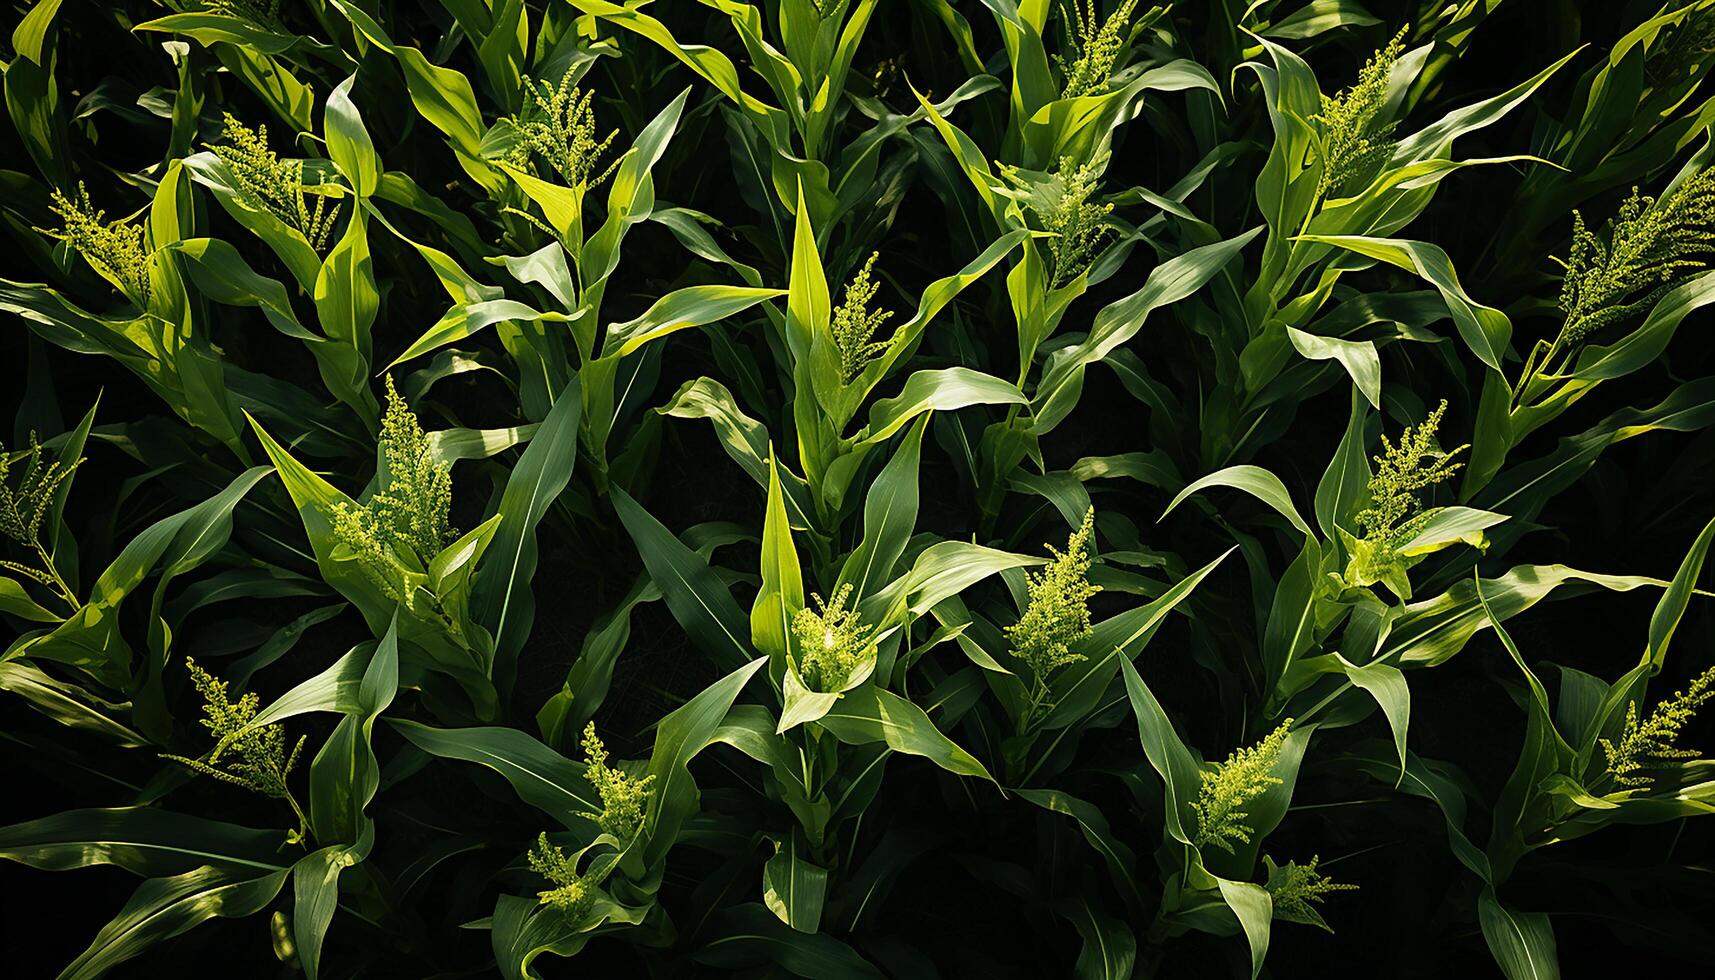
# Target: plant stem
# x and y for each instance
(65, 591)
(304, 834)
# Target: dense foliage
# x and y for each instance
(857, 488)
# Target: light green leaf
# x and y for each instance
(1254, 480)
(1485, 330)
(870, 714)
(700, 601)
(1168, 283)
(793, 888)
(944, 390)
(1359, 358)
(1522, 942)
(162, 908)
(693, 306)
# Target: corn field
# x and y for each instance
(857, 488)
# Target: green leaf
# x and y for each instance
(347, 302)
(1093, 824)
(679, 738)
(945, 390)
(502, 598)
(143, 840)
(1255, 911)
(1254, 480)
(1173, 762)
(1436, 139)
(1359, 358)
(315, 500)
(464, 320)
(345, 774)
(630, 195)
(348, 141)
(1386, 683)
(943, 569)
(889, 517)
(1522, 942)
(541, 777)
(1645, 344)
(1448, 526)
(870, 714)
(1346, 480)
(217, 28)
(442, 96)
(90, 638)
(1319, 17)
(793, 888)
(66, 702)
(782, 592)
(749, 935)
(1485, 330)
(744, 438)
(222, 275)
(163, 908)
(315, 891)
(14, 601)
(1080, 687)
(1168, 283)
(682, 309)
(700, 601)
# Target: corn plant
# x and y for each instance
(857, 488)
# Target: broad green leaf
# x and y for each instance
(944, 390)
(1646, 343)
(462, 321)
(700, 601)
(1448, 526)
(1319, 17)
(90, 638)
(889, 517)
(1168, 283)
(143, 840)
(162, 908)
(1522, 942)
(219, 28)
(347, 302)
(870, 714)
(442, 96)
(1080, 687)
(1436, 139)
(1345, 482)
(1255, 910)
(1172, 761)
(693, 306)
(348, 141)
(1386, 683)
(1110, 945)
(66, 702)
(1254, 480)
(502, 598)
(15, 601)
(943, 569)
(1485, 330)
(541, 777)
(744, 438)
(679, 738)
(224, 277)
(793, 888)
(1359, 358)
(782, 592)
